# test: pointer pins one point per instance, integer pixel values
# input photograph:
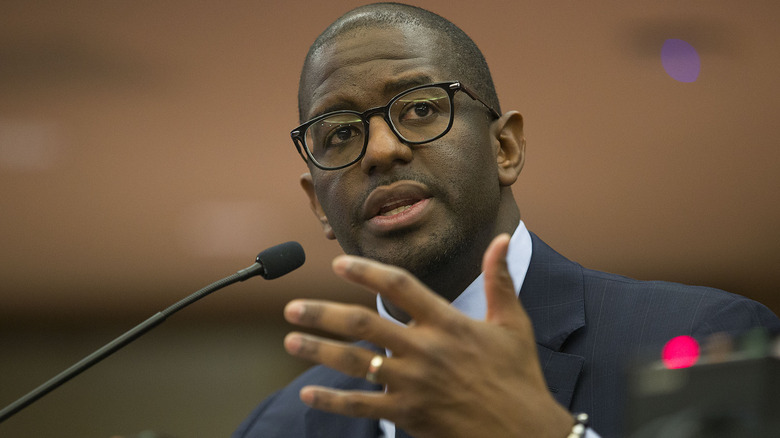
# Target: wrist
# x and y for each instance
(580, 426)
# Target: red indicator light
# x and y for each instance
(680, 352)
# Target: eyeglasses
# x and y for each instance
(419, 115)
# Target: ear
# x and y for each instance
(510, 156)
(308, 186)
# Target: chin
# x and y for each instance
(422, 257)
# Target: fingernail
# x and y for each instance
(307, 395)
(293, 311)
(341, 264)
(292, 343)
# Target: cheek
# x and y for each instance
(325, 190)
(471, 159)
(335, 196)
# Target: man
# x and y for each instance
(410, 166)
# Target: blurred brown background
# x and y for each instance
(144, 153)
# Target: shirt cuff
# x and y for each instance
(589, 433)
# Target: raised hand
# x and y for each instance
(449, 375)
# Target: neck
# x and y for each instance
(456, 274)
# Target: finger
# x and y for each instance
(347, 358)
(502, 301)
(366, 404)
(394, 284)
(355, 322)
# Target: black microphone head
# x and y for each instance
(281, 259)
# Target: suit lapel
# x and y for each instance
(552, 294)
(561, 371)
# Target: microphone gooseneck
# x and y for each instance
(271, 263)
(278, 260)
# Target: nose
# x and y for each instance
(384, 149)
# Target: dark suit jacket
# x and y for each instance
(587, 325)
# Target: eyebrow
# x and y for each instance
(390, 88)
(404, 84)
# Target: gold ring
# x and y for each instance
(373, 368)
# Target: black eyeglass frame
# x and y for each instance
(298, 134)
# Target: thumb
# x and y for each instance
(499, 288)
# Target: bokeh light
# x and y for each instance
(680, 352)
(680, 60)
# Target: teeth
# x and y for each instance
(395, 210)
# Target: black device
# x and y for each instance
(735, 398)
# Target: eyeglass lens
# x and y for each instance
(416, 116)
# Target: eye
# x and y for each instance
(419, 110)
(421, 107)
(341, 136)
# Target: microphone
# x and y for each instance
(277, 261)
(269, 264)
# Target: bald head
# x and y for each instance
(459, 55)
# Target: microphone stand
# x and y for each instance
(257, 268)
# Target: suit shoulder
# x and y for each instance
(704, 309)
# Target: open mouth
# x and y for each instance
(397, 205)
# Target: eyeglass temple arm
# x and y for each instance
(298, 141)
(474, 96)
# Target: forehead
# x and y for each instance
(366, 66)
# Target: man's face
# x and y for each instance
(418, 207)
